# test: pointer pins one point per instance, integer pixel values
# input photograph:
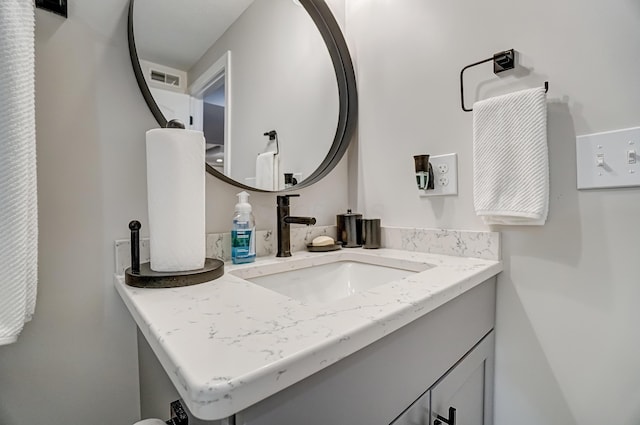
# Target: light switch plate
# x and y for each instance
(445, 173)
(608, 160)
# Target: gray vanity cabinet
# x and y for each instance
(467, 387)
(442, 359)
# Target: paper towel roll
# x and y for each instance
(175, 187)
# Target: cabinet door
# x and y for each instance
(467, 387)
(417, 413)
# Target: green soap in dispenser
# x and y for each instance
(243, 233)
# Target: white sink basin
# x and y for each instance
(330, 281)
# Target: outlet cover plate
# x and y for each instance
(445, 183)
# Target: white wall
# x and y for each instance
(76, 362)
(282, 78)
(567, 317)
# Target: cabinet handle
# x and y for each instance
(451, 420)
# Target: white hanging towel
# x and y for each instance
(510, 158)
(268, 171)
(18, 196)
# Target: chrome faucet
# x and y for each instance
(284, 228)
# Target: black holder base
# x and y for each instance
(148, 278)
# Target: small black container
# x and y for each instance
(349, 229)
(371, 233)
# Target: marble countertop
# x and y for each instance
(229, 343)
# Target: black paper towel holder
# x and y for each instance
(141, 275)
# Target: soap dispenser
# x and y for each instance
(243, 240)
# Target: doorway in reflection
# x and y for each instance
(213, 110)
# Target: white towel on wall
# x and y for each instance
(18, 196)
(510, 158)
(268, 171)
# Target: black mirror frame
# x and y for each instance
(345, 76)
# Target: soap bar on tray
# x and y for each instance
(323, 244)
(323, 241)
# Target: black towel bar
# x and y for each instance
(58, 7)
(502, 61)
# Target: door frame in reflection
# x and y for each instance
(220, 70)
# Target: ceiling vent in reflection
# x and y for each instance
(164, 78)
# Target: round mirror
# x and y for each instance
(269, 82)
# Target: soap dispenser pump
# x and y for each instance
(243, 241)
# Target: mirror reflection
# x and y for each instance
(254, 76)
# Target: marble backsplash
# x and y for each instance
(219, 244)
(458, 243)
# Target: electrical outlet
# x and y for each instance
(445, 175)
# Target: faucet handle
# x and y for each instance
(283, 200)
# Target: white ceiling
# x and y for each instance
(178, 36)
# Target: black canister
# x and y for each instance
(371, 233)
(349, 229)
